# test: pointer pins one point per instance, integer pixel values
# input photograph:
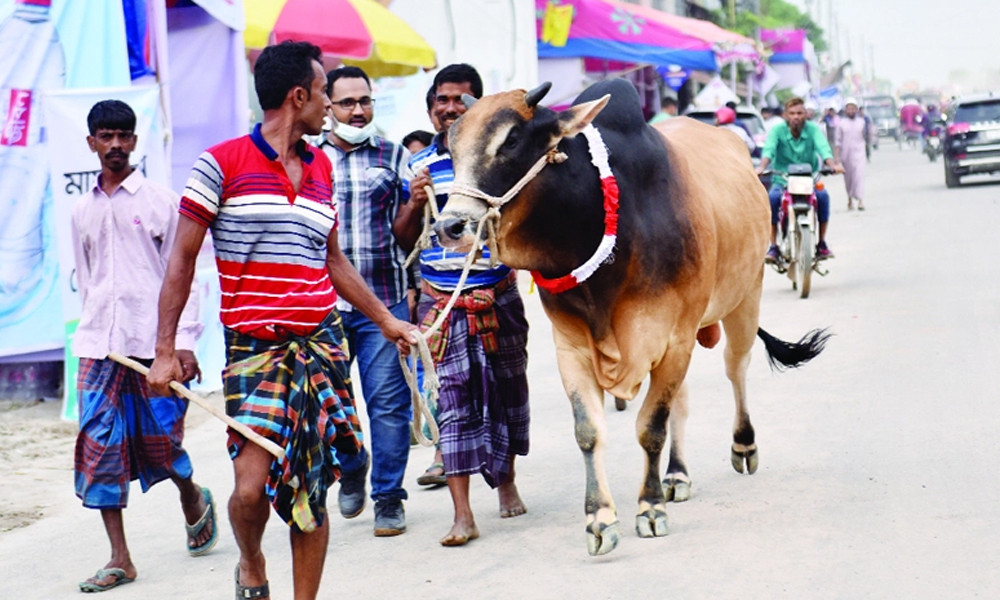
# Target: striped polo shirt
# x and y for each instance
(270, 242)
(439, 266)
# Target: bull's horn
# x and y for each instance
(468, 101)
(535, 96)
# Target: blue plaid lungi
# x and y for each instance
(125, 434)
(296, 393)
(483, 413)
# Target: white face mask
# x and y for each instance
(351, 134)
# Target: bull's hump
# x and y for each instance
(623, 112)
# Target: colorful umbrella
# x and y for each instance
(358, 32)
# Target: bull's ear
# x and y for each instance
(573, 120)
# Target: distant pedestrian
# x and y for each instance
(849, 150)
(668, 109)
(417, 140)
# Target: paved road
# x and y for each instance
(878, 461)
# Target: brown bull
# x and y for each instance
(629, 282)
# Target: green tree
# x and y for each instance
(774, 14)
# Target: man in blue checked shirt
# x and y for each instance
(368, 176)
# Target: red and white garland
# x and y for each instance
(609, 186)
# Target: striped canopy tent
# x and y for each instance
(616, 31)
(729, 46)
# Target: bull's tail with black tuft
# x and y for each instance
(784, 355)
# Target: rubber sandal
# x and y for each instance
(431, 478)
(195, 530)
(119, 575)
(249, 593)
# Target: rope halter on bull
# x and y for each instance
(489, 224)
(609, 188)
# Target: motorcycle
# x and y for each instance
(934, 141)
(798, 226)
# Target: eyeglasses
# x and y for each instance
(350, 103)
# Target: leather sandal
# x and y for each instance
(249, 593)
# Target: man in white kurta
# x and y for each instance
(849, 149)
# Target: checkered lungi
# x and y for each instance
(296, 393)
(125, 434)
(483, 414)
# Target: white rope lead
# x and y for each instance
(420, 398)
(488, 223)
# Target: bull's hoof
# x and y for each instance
(620, 403)
(749, 457)
(676, 489)
(651, 523)
(602, 538)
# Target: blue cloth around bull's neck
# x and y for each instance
(438, 264)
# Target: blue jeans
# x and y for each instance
(387, 399)
(822, 203)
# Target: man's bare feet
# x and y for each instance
(462, 532)
(511, 504)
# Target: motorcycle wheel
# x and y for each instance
(791, 251)
(803, 268)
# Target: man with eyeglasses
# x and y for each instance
(368, 175)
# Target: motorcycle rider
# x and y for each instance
(725, 118)
(931, 122)
(797, 141)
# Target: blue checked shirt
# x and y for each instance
(367, 189)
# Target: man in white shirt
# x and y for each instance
(123, 231)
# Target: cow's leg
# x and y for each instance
(741, 331)
(587, 401)
(677, 483)
(651, 430)
(666, 387)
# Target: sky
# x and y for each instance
(921, 41)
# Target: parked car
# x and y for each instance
(972, 143)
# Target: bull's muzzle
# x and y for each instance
(456, 231)
(451, 228)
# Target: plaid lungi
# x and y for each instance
(483, 414)
(296, 393)
(125, 434)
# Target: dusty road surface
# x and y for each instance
(877, 475)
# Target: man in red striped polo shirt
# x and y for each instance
(267, 199)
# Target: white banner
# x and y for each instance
(75, 167)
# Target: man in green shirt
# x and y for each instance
(668, 109)
(797, 140)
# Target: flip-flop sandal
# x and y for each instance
(193, 531)
(118, 574)
(249, 593)
(431, 478)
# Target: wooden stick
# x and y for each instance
(248, 433)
